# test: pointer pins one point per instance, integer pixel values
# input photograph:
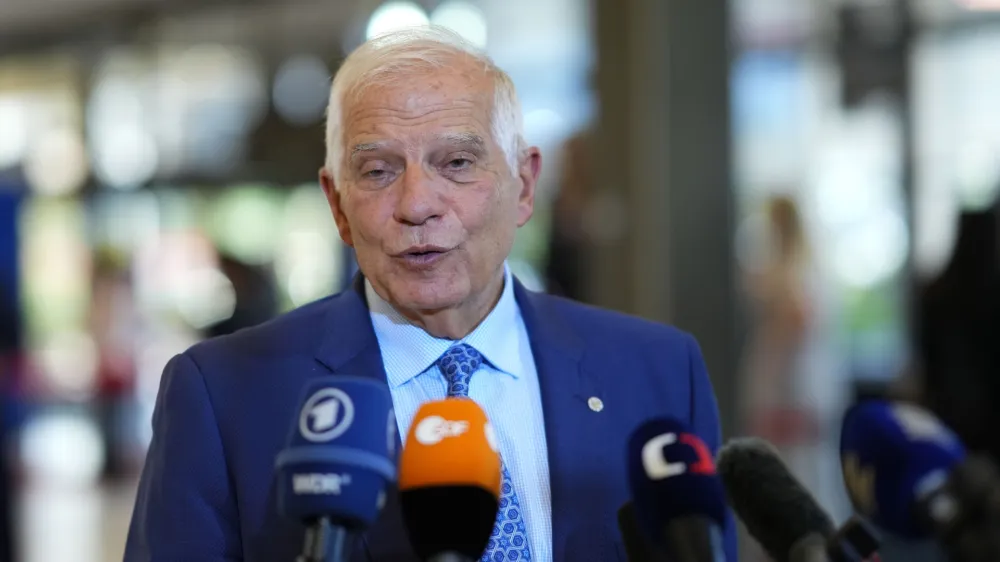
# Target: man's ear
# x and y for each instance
(333, 197)
(529, 169)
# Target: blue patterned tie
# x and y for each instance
(509, 540)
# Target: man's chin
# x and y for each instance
(427, 293)
(427, 306)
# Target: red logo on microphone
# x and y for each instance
(658, 467)
(705, 464)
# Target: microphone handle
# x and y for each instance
(637, 547)
(324, 542)
(810, 548)
(855, 541)
(693, 538)
(450, 557)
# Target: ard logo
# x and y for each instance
(327, 414)
(860, 483)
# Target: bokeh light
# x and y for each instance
(204, 297)
(463, 18)
(978, 175)
(243, 223)
(300, 89)
(14, 133)
(62, 449)
(57, 163)
(310, 255)
(68, 361)
(123, 150)
(395, 15)
(873, 251)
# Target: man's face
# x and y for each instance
(426, 196)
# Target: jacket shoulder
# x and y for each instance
(296, 331)
(597, 323)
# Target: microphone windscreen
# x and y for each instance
(773, 505)
(341, 452)
(891, 452)
(449, 479)
(671, 475)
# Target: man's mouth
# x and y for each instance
(423, 255)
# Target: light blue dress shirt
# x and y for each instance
(506, 387)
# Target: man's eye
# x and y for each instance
(374, 174)
(459, 163)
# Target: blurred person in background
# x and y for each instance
(256, 296)
(428, 177)
(959, 334)
(565, 269)
(782, 313)
(774, 400)
(112, 325)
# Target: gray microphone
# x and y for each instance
(781, 514)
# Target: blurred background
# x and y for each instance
(809, 186)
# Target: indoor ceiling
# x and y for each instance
(29, 24)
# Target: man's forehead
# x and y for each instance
(428, 113)
(466, 139)
(417, 90)
(418, 99)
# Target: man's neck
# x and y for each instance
(458, 322)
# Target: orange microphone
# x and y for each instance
(449, 481)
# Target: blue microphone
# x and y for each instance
(895, 458)
(677, 495)
(340, 459)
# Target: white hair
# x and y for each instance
(391, 56)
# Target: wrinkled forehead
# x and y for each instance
(445, 97)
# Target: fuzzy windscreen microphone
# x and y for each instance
(776, 509)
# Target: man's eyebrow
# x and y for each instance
(364, 147)
(464, 138)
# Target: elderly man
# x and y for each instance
(428, 178)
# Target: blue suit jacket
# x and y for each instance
(224, 407)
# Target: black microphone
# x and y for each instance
(637, 547)
(780, 514)
(339, 461)
(678, 497)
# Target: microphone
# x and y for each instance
(637, 547)
(449, 481)
(780, 514)
(339, 461)
(678, 497)
(912, 476)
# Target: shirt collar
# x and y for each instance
(407, 350)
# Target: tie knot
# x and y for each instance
(457, 365)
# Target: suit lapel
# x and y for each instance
(573, 431)
(349, 347)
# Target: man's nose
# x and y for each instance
(419, 200)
